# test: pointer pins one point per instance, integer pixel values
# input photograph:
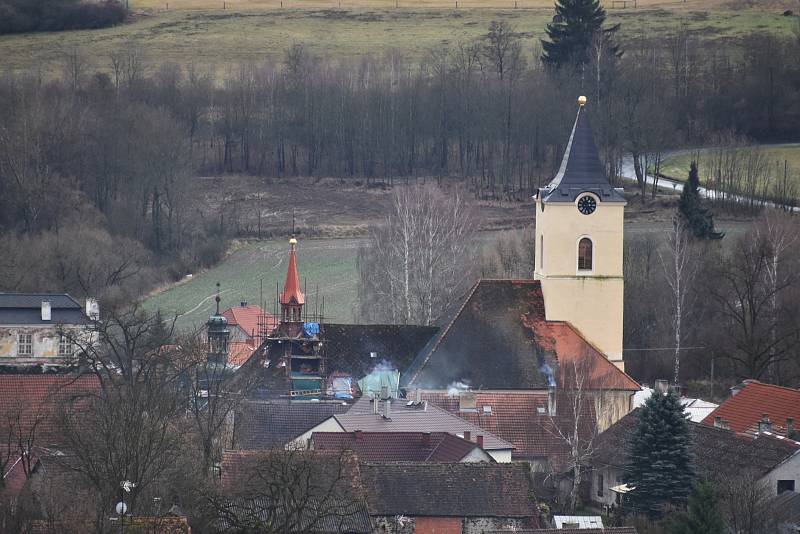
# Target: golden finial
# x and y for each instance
(581, 101)
(293, 242)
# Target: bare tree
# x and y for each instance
(680, 268)
(420, 258)
(290, 491)
(745, 503)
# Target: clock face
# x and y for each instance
(587, 204)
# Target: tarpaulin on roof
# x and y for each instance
(310, 329)
(376, 380)
(340, 386)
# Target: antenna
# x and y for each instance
(292, 222)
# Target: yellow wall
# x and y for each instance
(591, 301)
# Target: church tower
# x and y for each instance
(292, 299)
(579, 244)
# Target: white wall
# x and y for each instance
(501, 456)
(328, 425)
(788, 470)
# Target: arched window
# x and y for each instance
(585, 254)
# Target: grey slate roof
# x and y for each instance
(422, 418)
(25, 309)
(449, 490)
(786, 507)
(581, 170)
(262, 425)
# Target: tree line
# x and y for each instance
(20, 16)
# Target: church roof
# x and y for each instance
(291, 288)
(581, 170)
(499, 338)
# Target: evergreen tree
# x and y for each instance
(659, 469)
(702, 517)
(572, 31)
(698, 216)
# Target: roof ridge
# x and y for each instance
(767, 384)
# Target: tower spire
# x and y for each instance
(292, 298)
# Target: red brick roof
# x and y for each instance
(521, 418)
(744, 410)
(29, 403)
(239, 352)
(247, 318)
(396, 446)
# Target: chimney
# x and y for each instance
(92, 309)
(46, 316)
(357, 435)
(387, 409)
(718, 421)
(417, 396)
(375, 402)
(551, 400)
(243, 304)
(426, 439)
(765, 425)
(479, 439)
(662, 386)
(790, 428)
(467, 435)
(384, 392)
(466, 401)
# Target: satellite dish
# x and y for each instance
(122, 508)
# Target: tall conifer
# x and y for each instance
(659, 468)
(702, 516)
(574, 26)
(698, 216)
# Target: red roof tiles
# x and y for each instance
(247, 318)
(239, 352)
(522, 419)
(29, 403)
(396, 446)
(744, 410)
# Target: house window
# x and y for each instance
(785, 485)
(65, 346)
(600, 484)
(585, 254)
(24, 344)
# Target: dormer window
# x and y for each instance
(585, 254)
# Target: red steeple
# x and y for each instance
(292, 299)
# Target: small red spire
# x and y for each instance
(291, 288)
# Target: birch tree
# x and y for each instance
(679, 270)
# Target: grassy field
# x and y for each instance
(677, 166)
(329, 263)
(201, 32)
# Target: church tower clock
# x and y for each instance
(579, 244)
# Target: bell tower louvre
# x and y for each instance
(579, 243)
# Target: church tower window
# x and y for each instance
(585, 251)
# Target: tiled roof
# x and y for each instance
(609, 530)
(396, 446)
(786, 507)
(25, 309)
(330, 481)
(247, 318)
(522, 419)
(267, 424)
(744, 410)
(449, 490)
(499, 339)
(348, 346)
(149, 525)
(422, 418)
(717, 452)
(239, 352)
(30, 402)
